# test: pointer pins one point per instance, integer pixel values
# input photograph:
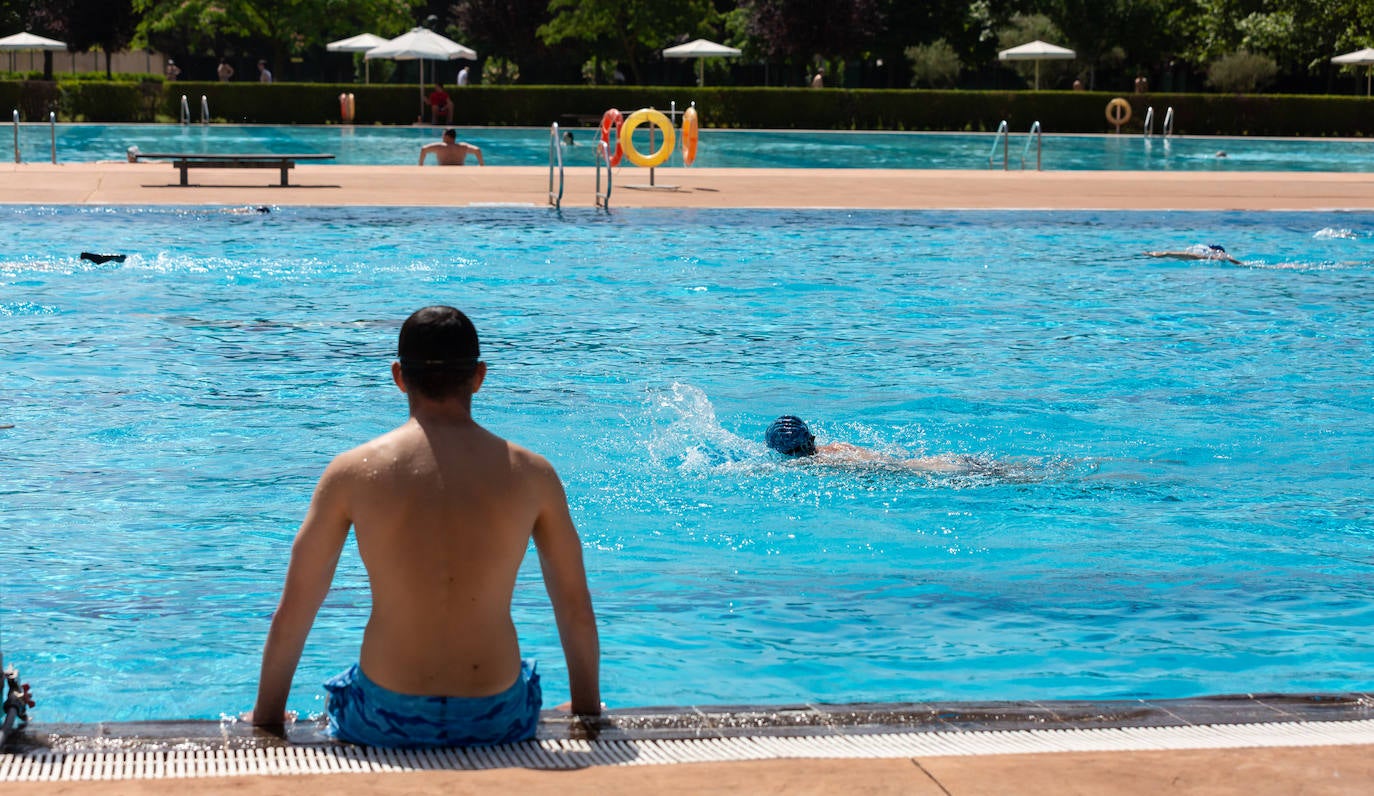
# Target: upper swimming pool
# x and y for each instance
(1188, 511)
(507, 146)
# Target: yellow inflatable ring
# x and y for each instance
(628, 131)
(1118, 111)
(689, 136)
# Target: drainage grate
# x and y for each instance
(568, 754)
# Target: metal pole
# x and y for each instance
(52, 125)
(16, 135)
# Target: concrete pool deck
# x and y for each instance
(118, 183)
(1255, 744)
(1252, 746)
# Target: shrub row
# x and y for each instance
(762, 108)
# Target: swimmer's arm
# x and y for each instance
(477, 150)
(565, 578)
(426, 149)
(851, 453)
(314, 557)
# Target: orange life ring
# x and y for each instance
(1118, 111)
(689, 136)
(609, 119)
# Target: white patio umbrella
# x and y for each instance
(358, 44)
(1364, 58)
(422, 44)
(700, 49)
(28, 42)
(1037, 51)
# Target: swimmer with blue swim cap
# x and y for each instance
(790, 436)
(1198, 251)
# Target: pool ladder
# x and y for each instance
(1168, 122)
(52, 125)
(186, 110)
(603, 155)
(1003, 138)
(555, 159)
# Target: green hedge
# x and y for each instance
(763, 108)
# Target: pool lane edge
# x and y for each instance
(766, 731)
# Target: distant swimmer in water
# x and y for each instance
(245, 211)
(790, 436)
(99, 259)
(1198, 251)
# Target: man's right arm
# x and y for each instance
(565, 578)
(314, 557)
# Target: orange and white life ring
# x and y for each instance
(689, 136)
(609, 119)
(352, 108)
(1118, 111)
(657, 119)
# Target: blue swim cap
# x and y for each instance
(789, 436)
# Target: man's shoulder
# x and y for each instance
(374, 450)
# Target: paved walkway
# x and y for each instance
(1321, 771)
(115, 183)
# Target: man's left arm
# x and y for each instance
(314, 557)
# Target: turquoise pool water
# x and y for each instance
(507, 146)
(1189, 511)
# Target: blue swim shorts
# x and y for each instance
(362, 712)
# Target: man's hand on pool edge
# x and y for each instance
(566, 707)
(251, 717)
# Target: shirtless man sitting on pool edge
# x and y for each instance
(450, 151)
(443, 511)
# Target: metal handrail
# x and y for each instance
(1033, 135)
(185, 110)
(1002, 136)
(16, 135)
(603, 155)
(1169, 122)
(204, 110)
(52, 125)
(1149, 121)
(555, 156)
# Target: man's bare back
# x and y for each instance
(443, 511)
(451, 152)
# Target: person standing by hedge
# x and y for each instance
(225, 71)
(264, 74)
(173, 71)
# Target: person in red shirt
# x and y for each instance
(440, 105)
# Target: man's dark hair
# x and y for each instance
(439, 352)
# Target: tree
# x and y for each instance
(801, 29)
(287, 27)
(1110, 32)
(505, 27)
(627, 28)
(107, 24)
